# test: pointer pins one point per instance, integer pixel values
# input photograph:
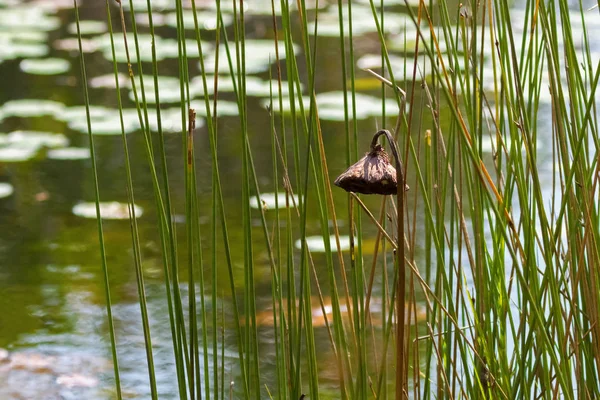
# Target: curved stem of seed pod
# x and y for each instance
(401, 354)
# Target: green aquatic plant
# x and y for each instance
(497, 241)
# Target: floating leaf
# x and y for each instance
(259, 55)
(263, 7)
(108, 210)
(287, 104)
(21, 146)
(36, 140)
(88, 27)
(405, 41)
(6, 189)
(362, 22)
(316, 244)
(331, 105)
(402, 67)
(27, 17)
(412, 3)
(25, 108)
(72, 44)
(157, 5)
(69, 153)
(165, 47)
(170, 119)
(108, 81)
(168, 90)
(24, 36)
(102, 127)
(14, 153)
(107, 124)
(45, 66)
(254, 86)
(22, 43)
(207, 20)
(267, 200)
(224, 108)
(79, 112)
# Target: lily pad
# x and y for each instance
(406, 41)
(88, 27)
(362, 22)
(20, 43)
(157, 5)
(168, 47)
(197, 86)
(142, 19)
(412, 3)
(107, 121)
(165, 47)
(224, 108)
(108, 210)
(262, 88)
(10, 50)
(287, 104)
(207, 20)
(191, 48)
(72, 44)
(267, 200)
(109, 126)
(6, 189)
(24, 36)
(37, 140)
(15, 153)
(69, 153)
(45, 66)
(168, 90)
(52, 6)
(104, 121)
(170, 120)
(259, 55)
(316, 244)
(255, 86)
(108, 81)
(331, 106)
(402, 67)
(79, 112)
(25, 108)
(263, 7)
(27, 17)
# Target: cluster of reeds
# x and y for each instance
(498, 239)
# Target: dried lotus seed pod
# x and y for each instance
(372, 174)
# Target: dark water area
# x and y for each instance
(53, 321)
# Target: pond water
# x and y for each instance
(53, 315)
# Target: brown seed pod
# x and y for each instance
(372, 174)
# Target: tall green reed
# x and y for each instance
(500, 249)
(106, 282)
